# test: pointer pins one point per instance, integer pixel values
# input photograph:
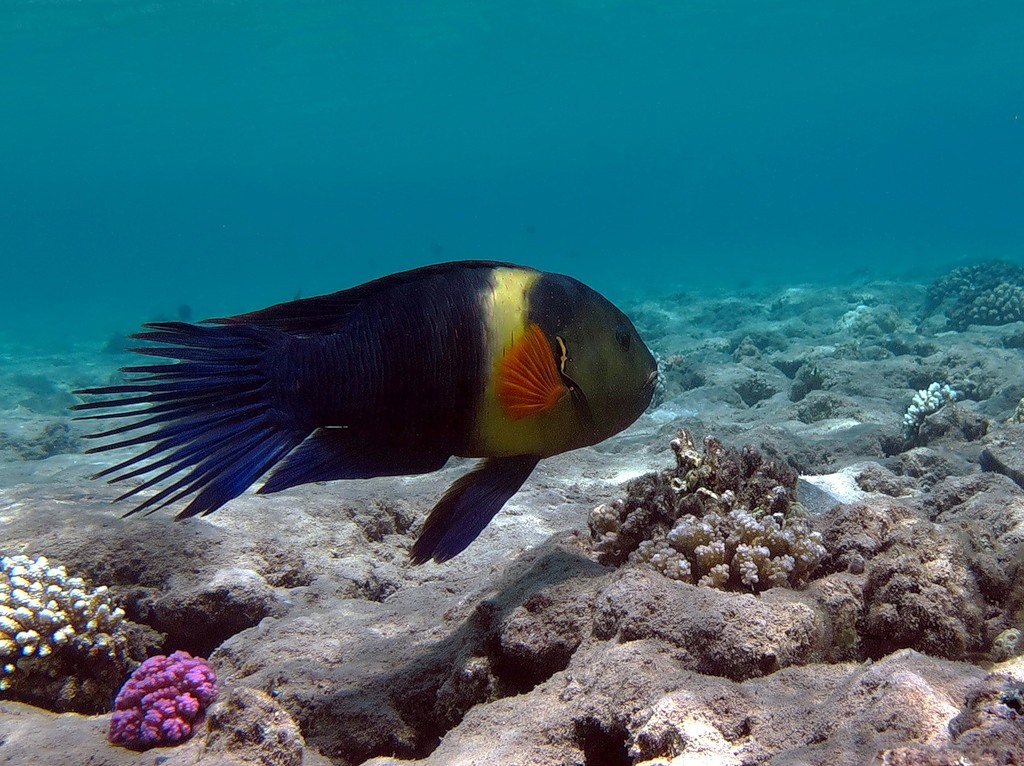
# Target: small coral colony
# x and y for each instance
(720, 518)
(61, 640)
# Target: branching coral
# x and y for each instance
(1003, 304)
(55, 629)
(718, 551)
(1018, 413)
(721, 518)
(925, 402)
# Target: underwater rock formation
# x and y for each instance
(250, 727)
(868, 321)
(332, 649)
(921, 593)
(37, 439)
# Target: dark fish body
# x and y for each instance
(393, 377)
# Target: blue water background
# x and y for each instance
(227, 155)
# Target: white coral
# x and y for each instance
(690, 532)
(749, 560)
(604, 519)
(716, 577)
(925, 402)
(711, 555)
(663, 558)
(759, 553)
(42, 609)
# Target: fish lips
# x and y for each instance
(647, 390)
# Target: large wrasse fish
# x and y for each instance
(389, 378)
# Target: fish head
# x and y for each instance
(605, 364)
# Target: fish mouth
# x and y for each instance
(647, 390)
(651, 381)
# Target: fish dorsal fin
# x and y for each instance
(528, 379)
(330, 313)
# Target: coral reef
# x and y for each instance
(778, 628)
(988, 293)
(252, 727)
(162, 701)
(762, 553)
(721, 518)
(659, 386)
(330, 646)
(676, 374)
(59, 637)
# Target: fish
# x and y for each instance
(476, 359)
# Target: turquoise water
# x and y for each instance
(229, 155)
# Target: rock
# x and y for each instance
(248, 726)
(29, 735)
(931, 465)
(858, 532)
(232, 600)
(839, 714)
(540, 636)
(921, 593)
(959, 420)
(1004, 452)
(877, 479)
(704, 625)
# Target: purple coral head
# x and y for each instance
(162, 700)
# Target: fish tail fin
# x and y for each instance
(210, 418)
(468, 505)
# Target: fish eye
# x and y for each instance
(623, 337)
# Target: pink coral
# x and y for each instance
(162, 701)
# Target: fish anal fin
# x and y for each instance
(468, 506)
(528, 379)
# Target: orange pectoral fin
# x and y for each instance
(528, 379)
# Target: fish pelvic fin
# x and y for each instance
(209, 418)
(468, 505)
